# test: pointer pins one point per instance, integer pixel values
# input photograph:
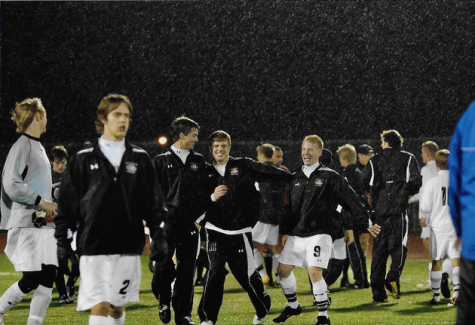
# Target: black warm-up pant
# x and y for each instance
(185, 243)
(237, 251)
(390, 241)
(357, 260)
(466, 300)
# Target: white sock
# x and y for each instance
(10, 298)
(321, 296)
(117, 321)
(275, 265)
(289, 287)
(456, 280)
(447, 266)
(99, 320)
(435, 280)
(39, 305)
(258, 262)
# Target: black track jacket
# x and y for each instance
(108, 207)
(391, 177)
(239, 208)
(314, 202)
(184, 185)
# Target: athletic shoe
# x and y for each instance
(207, 322)
(266, 280)
(164, 313)
(323, 320)
(435, 301)
(184, 321)
(425, 286)
(393, 288)
(270, 285)
(257, 320)
(452, 302)
(71, 293)
(380, 301)
(444, 285)
(287, 313)
(345, 283)
(64, 300)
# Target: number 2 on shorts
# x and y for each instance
(123, 291)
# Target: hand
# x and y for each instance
(220, 191)
(50, 207)
(374, 230)
(423, 222)
(63, 256)
(284, 239)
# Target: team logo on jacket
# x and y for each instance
(234, 171)
(318, 182)
(194, 167)
(130, 167)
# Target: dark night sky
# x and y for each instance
(261, 70)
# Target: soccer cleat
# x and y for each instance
(164, 313)
(381, 301)
(207, 322)
(287, 313)
(266, 280)
(345, 283)
(258, 320)
(452, 302)
(392, 287)
(71, 293)
(184, 321)
(425, 286)
(444, 285)
(323, 320)
(64, 300)
(435, 301)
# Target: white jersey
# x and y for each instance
(433, 203)
(26, 174)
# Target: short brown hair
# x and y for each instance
(315, 139)
(25, 111)
(183, 125)
(431, 146)
(266, 149)
(442, 159)
(107, 105)
(219, 135)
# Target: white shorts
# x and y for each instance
(108, 278)
(441, 247)
(307, 251)
(265, 233)
(28, 248)
(339, 249)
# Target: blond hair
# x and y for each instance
(347, 152)
(25, 111)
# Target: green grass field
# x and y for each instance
(348, 307)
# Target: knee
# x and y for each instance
(30, 281)
(48, 275)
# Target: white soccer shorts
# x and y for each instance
(108, 278)
(265, 233)
(307, 251)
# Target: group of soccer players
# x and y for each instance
(112, 187)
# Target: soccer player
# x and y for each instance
(309, 232)
(182, 175)
(26, 196)
(462, 209)
(233, 211)
(391, 177)
(106, 192)
(433, 203)
(266, 231)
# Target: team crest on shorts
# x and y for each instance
(194, 167)
(130, 167)
(234, 171)
(318, 182)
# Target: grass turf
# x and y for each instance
(348, 306)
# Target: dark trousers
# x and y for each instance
(185, 243)
(333, 271)
(358, 261)
(466, 300)
(237, 251)
(390, 241)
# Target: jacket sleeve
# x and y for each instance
(455, 163)
(68, 203)
(414, 177)
(265, 172)
(351, 202)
